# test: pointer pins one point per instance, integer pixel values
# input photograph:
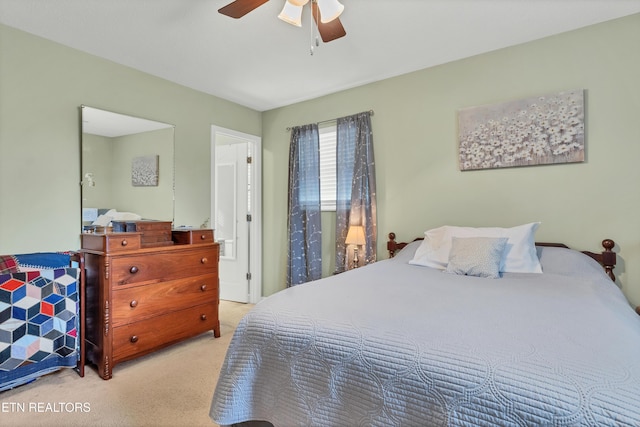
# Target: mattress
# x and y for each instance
(393, 344)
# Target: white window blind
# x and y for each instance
(327, 136)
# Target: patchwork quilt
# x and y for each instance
(39, 323)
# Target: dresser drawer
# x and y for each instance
(164, 266)
(141, 302)
(142, 337)
(190, 237)
(111, 242)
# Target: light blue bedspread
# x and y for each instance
(393, 344)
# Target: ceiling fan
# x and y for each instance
(325, 14)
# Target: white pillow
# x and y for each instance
(102, 221)
(431, 252)
(126, 216)
(520, 255)
(122, 216)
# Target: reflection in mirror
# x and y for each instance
(127, 168)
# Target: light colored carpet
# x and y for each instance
(171, 387)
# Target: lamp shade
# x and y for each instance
(355, 235)
(329, 10)
(292, 13)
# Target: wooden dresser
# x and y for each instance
(141, 298)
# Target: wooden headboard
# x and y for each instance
(606, 258)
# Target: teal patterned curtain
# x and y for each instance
(356, 187)
(304, 261)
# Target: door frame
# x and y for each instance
(255, 228)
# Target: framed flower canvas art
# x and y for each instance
(539, 130)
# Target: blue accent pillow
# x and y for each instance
(476, 256)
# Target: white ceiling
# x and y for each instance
(263, 63)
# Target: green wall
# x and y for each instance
(418, 181)
(42, 86)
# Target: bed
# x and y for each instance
(401, 344)
(40, 312)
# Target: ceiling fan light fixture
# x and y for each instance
(298, 2)
(292, 13)
(329, 10)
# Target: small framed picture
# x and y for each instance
(144, 171)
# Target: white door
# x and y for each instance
(234, 205)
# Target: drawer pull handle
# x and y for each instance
(134, 339)
(124, 242)
(203, 317)
(133, 303)
(133, 270)
(203, 288)
(204, 260)
(203, 236)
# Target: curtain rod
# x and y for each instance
(330, 120)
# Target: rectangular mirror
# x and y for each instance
(127, 168)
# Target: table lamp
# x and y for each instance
(355, 236)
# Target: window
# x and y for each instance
(327, 135)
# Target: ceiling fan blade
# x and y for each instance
(329, 31)
(239, 8)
